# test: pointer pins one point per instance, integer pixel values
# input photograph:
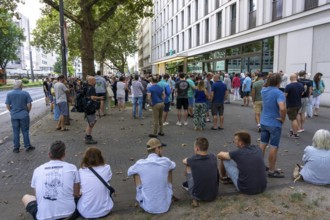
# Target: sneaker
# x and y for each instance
(185, 186)
(208, 120)
(30, 148)
(161, 134)
(178, 123)
(275, 174)
(91, 141)
(16, 150)
(165, 123)
(294, 136)
(152, 135)
(301, 130)
(185, 123)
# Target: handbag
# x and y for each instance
(110, 188)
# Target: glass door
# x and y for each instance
(234, 65)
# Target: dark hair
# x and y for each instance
(98, 73)
(154, 79)
(244, 136)
(317, 80)
(274, 79)
(60, 77)
(182, 75)
(92, 158)
(166, 76)
(202, 143)
(136, 77)
(57, 150)
(121, 78)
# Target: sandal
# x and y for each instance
(225, 180)
(214, 128)
(65, 129)
(275, 174)
(57, 129)
(220, 128)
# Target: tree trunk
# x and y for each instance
(87, 52)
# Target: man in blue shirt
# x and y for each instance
(156, 95)
(246, 88)
(19, 104)
(272, 118)
(167, 101)
(218, 94)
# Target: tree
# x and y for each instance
(90, 15)
(58, 66)
(11, 38)
(8, 8)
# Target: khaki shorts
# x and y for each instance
(303, 107)
(257, 106)
(292, 113)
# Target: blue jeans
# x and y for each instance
(21, 125)
(139, 101)
(232, 171)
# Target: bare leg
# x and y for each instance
(272, 159)
(179, 115)
(263, 148)
(215, 121)
(294, 125)
(137, 180)
(185, 114)
(222, 169)
(221, 121)
(27, 199)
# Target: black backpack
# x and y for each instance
(80, 98)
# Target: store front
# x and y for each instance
(248, 57)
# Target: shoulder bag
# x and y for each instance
(110, 188)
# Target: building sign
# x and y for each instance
(170, 53)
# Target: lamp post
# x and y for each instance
(30, 52)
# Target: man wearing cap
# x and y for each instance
(256, 98)
(202, 173)
(153, 179)
(308, 89)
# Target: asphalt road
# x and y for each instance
(39, 109)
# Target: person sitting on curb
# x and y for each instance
(244, 166)
(317, 159)
(56, 184)
(202, 173)
(153, 179)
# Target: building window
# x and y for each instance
(252, 13)
(176, 24)
(206, 7)
(197, 34)
(277, 9)
(219, 24)
(182, 19)
(233, 19)
(309, 4)
(177, 43)
(189, 15)
(189, 38)
(207, 31)
(182, 41)
(217, 4)
(196, 10)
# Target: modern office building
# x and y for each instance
(242, 35)
(144, 45)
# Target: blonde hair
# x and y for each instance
(321, 139)
(201, 85)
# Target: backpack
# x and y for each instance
(85, 103)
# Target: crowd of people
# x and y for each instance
(63, 191)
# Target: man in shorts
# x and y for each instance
(181, 89)
(208, 87)
(245, 166)
(256, 98)
(293, 93)
(61, 92)
(201, 173)
(91, 116)
(153, 179)
(56, 184)
(191, 95)
(271, 121)
(246, 88)
(100, 89)
(167, 100)
(218, 95)
(308, 89)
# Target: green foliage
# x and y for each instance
(25, 81)
(8, 7)
(11, 38)
(70, 69)
(58, 66)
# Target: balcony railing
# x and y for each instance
(309, 4)
(252, 19)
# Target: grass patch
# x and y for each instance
(297, 197)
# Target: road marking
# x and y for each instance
(5, 112)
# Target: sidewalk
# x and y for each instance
(122, 141)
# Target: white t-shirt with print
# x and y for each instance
(53, 183)
(95, 200)
(155, 193)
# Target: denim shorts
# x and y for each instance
(232, 171)
(167, 107)
(64, 110)
(271, 135)
(191, 101)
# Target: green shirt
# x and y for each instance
(257, 86)
(191, 91)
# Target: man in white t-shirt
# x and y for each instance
(56, 183)
(153, 179)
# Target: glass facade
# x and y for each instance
(249, 57)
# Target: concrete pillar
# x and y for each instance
(276, 53)
(287, 8)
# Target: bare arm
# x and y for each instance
(282, 111)
(169, 178)
(224, 156)
(29, 106)
(253, 95)
(8, 107)
(184, 161)
(76, 190)
(211, 96)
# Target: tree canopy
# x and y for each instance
(11, 38)
(88, 16)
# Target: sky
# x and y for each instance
(31, 10)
